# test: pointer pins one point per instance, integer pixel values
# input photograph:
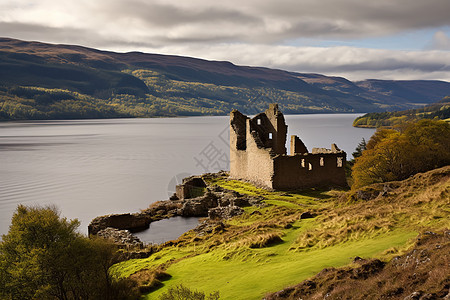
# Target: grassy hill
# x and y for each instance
(271, 247)
(439, 110)
(46, 81)
(420, 273)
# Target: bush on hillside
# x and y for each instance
(398, 154)
(44, 257)
(180, 292)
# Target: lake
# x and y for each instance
(89, 168)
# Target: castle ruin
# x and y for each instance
(258, 154)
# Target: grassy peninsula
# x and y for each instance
(439, 111)
(272, 246)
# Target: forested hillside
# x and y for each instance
(45, 81)
(439, 110)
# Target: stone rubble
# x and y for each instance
(194, 198)
(121, 237)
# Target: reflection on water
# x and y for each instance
(89, 168)
(166, 230)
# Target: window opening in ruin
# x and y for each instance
(258, 121)
(270, 135)
(310, 167)
(321, 162)
(303, 162)
(339, 162)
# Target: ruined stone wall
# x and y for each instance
(238, 145)
(258, 154)
(309, 170)
(254, 163)
(297, 146)
(238, 164)
(259, 161)
(276, 119)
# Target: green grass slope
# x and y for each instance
(259, 271)
(420, 273)
(271, 247)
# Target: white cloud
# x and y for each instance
(441, 41)
(250, 32)
(264, 21)
(350, 62)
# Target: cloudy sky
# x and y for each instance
(358, 39)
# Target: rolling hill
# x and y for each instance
(439, 110)
(47, 81)
(270, 247)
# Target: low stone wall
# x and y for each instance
(192, 187)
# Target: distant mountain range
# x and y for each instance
(47, 81)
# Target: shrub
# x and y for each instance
(44, 257)
(398, 154)
(181, 292)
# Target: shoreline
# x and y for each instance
(195, 197)
(176, 117)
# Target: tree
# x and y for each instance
(396, 155)
(360, 148)
(44, 257)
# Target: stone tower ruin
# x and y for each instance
(258, 154)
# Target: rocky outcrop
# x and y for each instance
(213, 197)
(199, 207)
(121, 237)
(192, 187)
(162, 210)
(233, 198)
(194, 198)
(209, 226)
(137, 221)
(132, 222)
(226, 212)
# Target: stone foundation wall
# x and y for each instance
(308, 171)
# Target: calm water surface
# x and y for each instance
(167, 229)
(89, 168)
